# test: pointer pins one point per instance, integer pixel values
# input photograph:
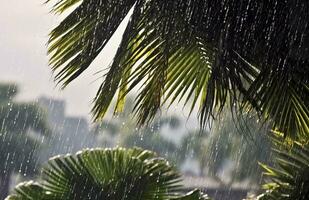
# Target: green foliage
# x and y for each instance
(225, 142)
(123, 131)
(18, 154)
(152, 141)
(289, 179)
(111, 174)
(193, 146)
(248, 149)
(18, 117)
(17, 148)
(7, 92)
(150, 138)
(246, 155)
(247, 53)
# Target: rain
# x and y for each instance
(154, 100)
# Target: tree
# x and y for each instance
(193, 146)
(18, 150)
(227, 142)
(251, 54)
(110, 174)
(244, 150)
(122, 130)
(151, 139)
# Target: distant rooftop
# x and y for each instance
(210, 183)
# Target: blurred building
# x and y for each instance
(69, 133)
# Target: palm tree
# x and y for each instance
(249, 54)
(111, 174)
(18, 150)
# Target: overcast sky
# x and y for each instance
(24, 26)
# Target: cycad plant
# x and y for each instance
(112, 174)
(251, 54)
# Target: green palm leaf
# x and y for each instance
(105, 174)
(289, 179)
(208, 53)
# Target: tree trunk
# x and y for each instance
(4, 185)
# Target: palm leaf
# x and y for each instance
(208, 53)
(80, 37)
(105, 174)
(288, 180)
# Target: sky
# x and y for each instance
(24, 28)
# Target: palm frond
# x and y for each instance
(209, 53)
(283, 100)
(80, 37)
(105, 174)
(63, 5)
(289, 179)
